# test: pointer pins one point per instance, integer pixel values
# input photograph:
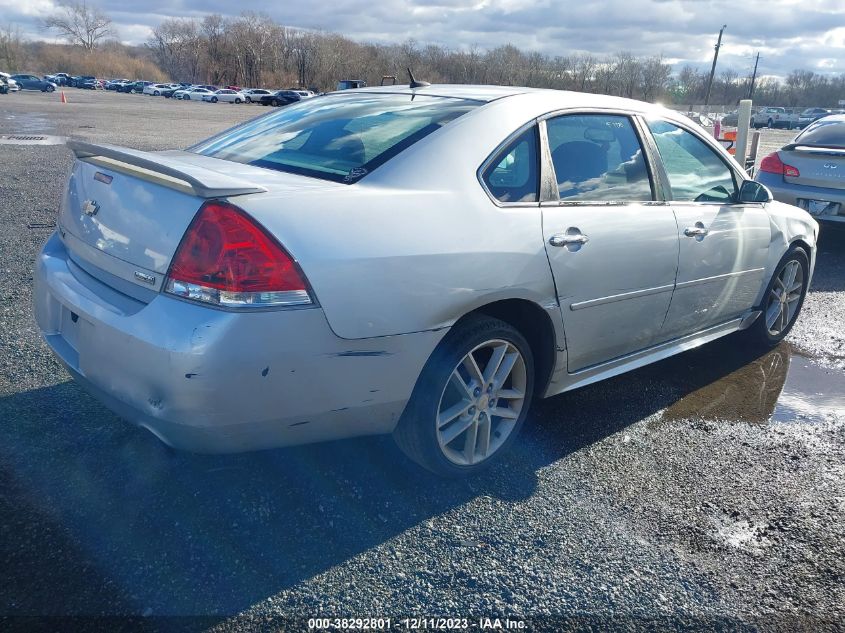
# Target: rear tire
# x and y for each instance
(470, 400)
(213, 99)
(782, 300)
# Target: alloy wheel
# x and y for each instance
(784, 297)
(481, 402)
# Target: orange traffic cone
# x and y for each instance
(63, 97)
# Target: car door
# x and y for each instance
(724, 245)
(612, 245)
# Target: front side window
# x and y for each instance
(695, 170)
(336, 137)
(598, 157)
(514, 174)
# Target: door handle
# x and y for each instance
(696, 231)
(568, 239)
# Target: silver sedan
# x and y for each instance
(422, 262)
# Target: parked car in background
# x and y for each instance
(90, 83)
(31, 82)
(255, 94)
(811, 114)
(305, 94)
(702, 119)
(194, 94)
(351, 84)
(138, 86)
(809, 172)
(280, 98)
(731, 119)
(774, 118)
(225, 319)
(226, 95)
(170, 89)
(4, 85)
(60, 79)
(11, 83)
(235, 88)
(156, 90)
(114, 84)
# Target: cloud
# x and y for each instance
(788, 33)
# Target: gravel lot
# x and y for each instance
(706, 491)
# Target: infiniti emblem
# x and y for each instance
(830, 165)
(90, 207)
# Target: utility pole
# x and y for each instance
(713, 67)
(753, 77)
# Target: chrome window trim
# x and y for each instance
(479, 173)
(632, 115)
(718, 150)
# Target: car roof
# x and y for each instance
(543, 98)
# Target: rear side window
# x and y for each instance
(696, 172)
(598, 157)
(336, 137)
(514, 174)
(824, 133)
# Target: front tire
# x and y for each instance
(782, 300)
(213, 99)
(249, 99)
(275, 103)
(470, 400)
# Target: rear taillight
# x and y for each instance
(774, 165)
(225, 258)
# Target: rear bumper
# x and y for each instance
(208, 380)
(790, 193)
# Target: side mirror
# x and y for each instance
(753, 191)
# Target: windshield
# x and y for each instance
(826, 132)
(336, 137)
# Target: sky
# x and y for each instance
(788, 34)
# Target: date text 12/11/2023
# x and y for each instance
(417, 624)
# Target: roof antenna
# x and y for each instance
(414, 83)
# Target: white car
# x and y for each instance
(193, 94)
(13, 85)
(305, 94)
(229, 96)
(156, 89)
(255, 94)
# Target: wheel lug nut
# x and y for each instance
(490, 388)
(471, 411)
(476, 392)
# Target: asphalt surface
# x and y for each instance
(706, 491)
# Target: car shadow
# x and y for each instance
(830, 260)
(101, 518)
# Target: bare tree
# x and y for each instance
(80, 24)
(11, 48)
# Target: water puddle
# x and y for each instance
(28, 123)
(782, 385)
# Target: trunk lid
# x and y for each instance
(817, 166)
(124, 211)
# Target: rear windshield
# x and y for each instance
(826, 132)
(336, 137)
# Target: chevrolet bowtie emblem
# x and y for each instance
(90, 207)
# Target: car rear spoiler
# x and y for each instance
(164, 170)
(814, 149)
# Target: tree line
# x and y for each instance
(253, 50)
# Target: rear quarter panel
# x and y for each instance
(418, 243)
